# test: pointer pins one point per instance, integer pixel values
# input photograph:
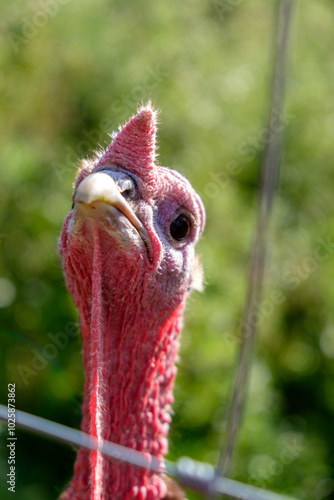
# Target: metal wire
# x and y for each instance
(269, 177)
(197, 476)
(74, 437)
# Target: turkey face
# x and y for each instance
(148, 217)
(156, 230)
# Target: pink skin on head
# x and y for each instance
(130, 286)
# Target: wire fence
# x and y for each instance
(197, 476)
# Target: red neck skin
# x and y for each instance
(130, 347)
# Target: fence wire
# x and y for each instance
(198, 476)
(270, 168)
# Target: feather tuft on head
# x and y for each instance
(134, 146)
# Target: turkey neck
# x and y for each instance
(130, 346)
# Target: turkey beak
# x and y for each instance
(101, 187)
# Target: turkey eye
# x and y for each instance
(180, 227)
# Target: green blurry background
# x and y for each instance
(72, 71)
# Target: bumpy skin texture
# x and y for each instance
(130, 290)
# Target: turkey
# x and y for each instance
(128, 254)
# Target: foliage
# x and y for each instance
(71, 73)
